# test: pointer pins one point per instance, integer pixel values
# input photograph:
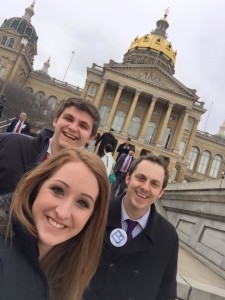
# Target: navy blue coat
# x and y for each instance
(18, 154)
(25, 129)
(144, 268)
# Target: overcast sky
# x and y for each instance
(103, 29)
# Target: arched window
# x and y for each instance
(104, 112)
(150, 131)
(4, 39)
(166, 138)
(134, 127)
(91, 90)
(11, 42)
(204, 161)
(193, 157)
(28, 89)
(182, 148)
(39, 98)
(216, 164)
(118, 121)
(50, 105)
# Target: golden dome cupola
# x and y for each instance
(153, 48)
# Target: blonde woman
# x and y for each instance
(50, 246)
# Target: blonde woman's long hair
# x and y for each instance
(68, 266)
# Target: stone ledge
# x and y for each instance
(189, 289)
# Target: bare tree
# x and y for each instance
(18, 100)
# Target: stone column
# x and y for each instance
(130, 113)
(147, 119)
(85, 89)
(190, 141)
(100, 93)
(114, 107)
(180, 131)
(164, 125)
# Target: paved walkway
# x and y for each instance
(189, 266)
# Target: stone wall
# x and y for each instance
(197, 210)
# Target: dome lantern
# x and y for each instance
(153, 48)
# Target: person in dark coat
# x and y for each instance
(75, 121)
(125, 148)
(2, 105)
(120, 170)
(104, 139)
(45, 237)
(138, 263)
(19, 125)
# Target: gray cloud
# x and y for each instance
(102, 30)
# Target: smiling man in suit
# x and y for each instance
(19, 125)
(139, 258)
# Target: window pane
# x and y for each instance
(216, 164)
(118, 121)
(203, 162)
(192, 158)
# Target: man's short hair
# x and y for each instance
(111, 129)
(129, 139)
(82, 105)
(152, 158)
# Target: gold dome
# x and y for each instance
(155, 46)
(155, 42)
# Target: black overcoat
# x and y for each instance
(144, 268)
(20, 274)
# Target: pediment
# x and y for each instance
(156, 76)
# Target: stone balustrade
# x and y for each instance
(197, 210)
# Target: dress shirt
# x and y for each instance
(142, 222)
(128, 157)
(18, 124)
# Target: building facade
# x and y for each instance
(140, 98)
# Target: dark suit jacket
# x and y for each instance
(121, 150)
(25, 129)
(120, 162)
(144, 268)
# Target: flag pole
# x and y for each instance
(69, 64)
(208, 116)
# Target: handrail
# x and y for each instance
(7, 122)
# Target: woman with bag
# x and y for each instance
(109, 162)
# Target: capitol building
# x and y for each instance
(139, 97)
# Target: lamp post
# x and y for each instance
(23, 44)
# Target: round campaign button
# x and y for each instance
(118, 237)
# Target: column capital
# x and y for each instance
(137, 93)
(104, 80)
(88, 80)
(154, 98)
(171, 104)
(121, 86)
(186, 110)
